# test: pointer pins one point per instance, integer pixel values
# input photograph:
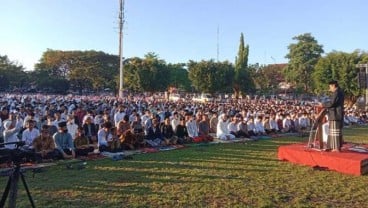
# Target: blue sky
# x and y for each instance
(179, 30)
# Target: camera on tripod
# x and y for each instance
(16, 155)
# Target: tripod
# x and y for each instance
(12, 188)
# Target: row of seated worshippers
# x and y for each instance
(175, 129)
(191, 128)
(238, 127)
(355, 118)
(153, 132)
(40, 145)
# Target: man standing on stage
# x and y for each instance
(335, 114)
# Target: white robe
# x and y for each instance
(223, 131)
(192, 128)
(259, 127)
(325, 130)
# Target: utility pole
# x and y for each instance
(121, 61)
(363, 81)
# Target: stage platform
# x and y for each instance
(353, 159)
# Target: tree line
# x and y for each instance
(308, 70)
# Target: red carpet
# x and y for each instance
(351, 160)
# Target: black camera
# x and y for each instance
(16, 155)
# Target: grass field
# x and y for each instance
(220, 175)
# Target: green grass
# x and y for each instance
(220, 175)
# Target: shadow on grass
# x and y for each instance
(221, 174)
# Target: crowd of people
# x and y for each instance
(61, 127)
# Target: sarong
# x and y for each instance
(334, 135)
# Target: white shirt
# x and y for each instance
(132, 118)
(147, 124)
(259, 126)
(304, 122)
(118, 117)
(174, 123)
(286, 123)
(103, 137)
(29, 135)
(251, 126)
(192, 128)
(232, 127)
(222, 128)
(19, 123)
(273, 125)
(10, 135)
(144, 119)
(352, 118)
(72, 128)
(98, 120)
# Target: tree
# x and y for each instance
(267, 78)
(11, 74)
(131, 74)
(210, 76)
(224, 77)
(98, 69)
(148, 74)
(4, 84)
(303, 56)
(339, 66)
(242, 80)
(41, 79)
(56, 62)
(179, 76)
(83, 69)
(159, 71)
